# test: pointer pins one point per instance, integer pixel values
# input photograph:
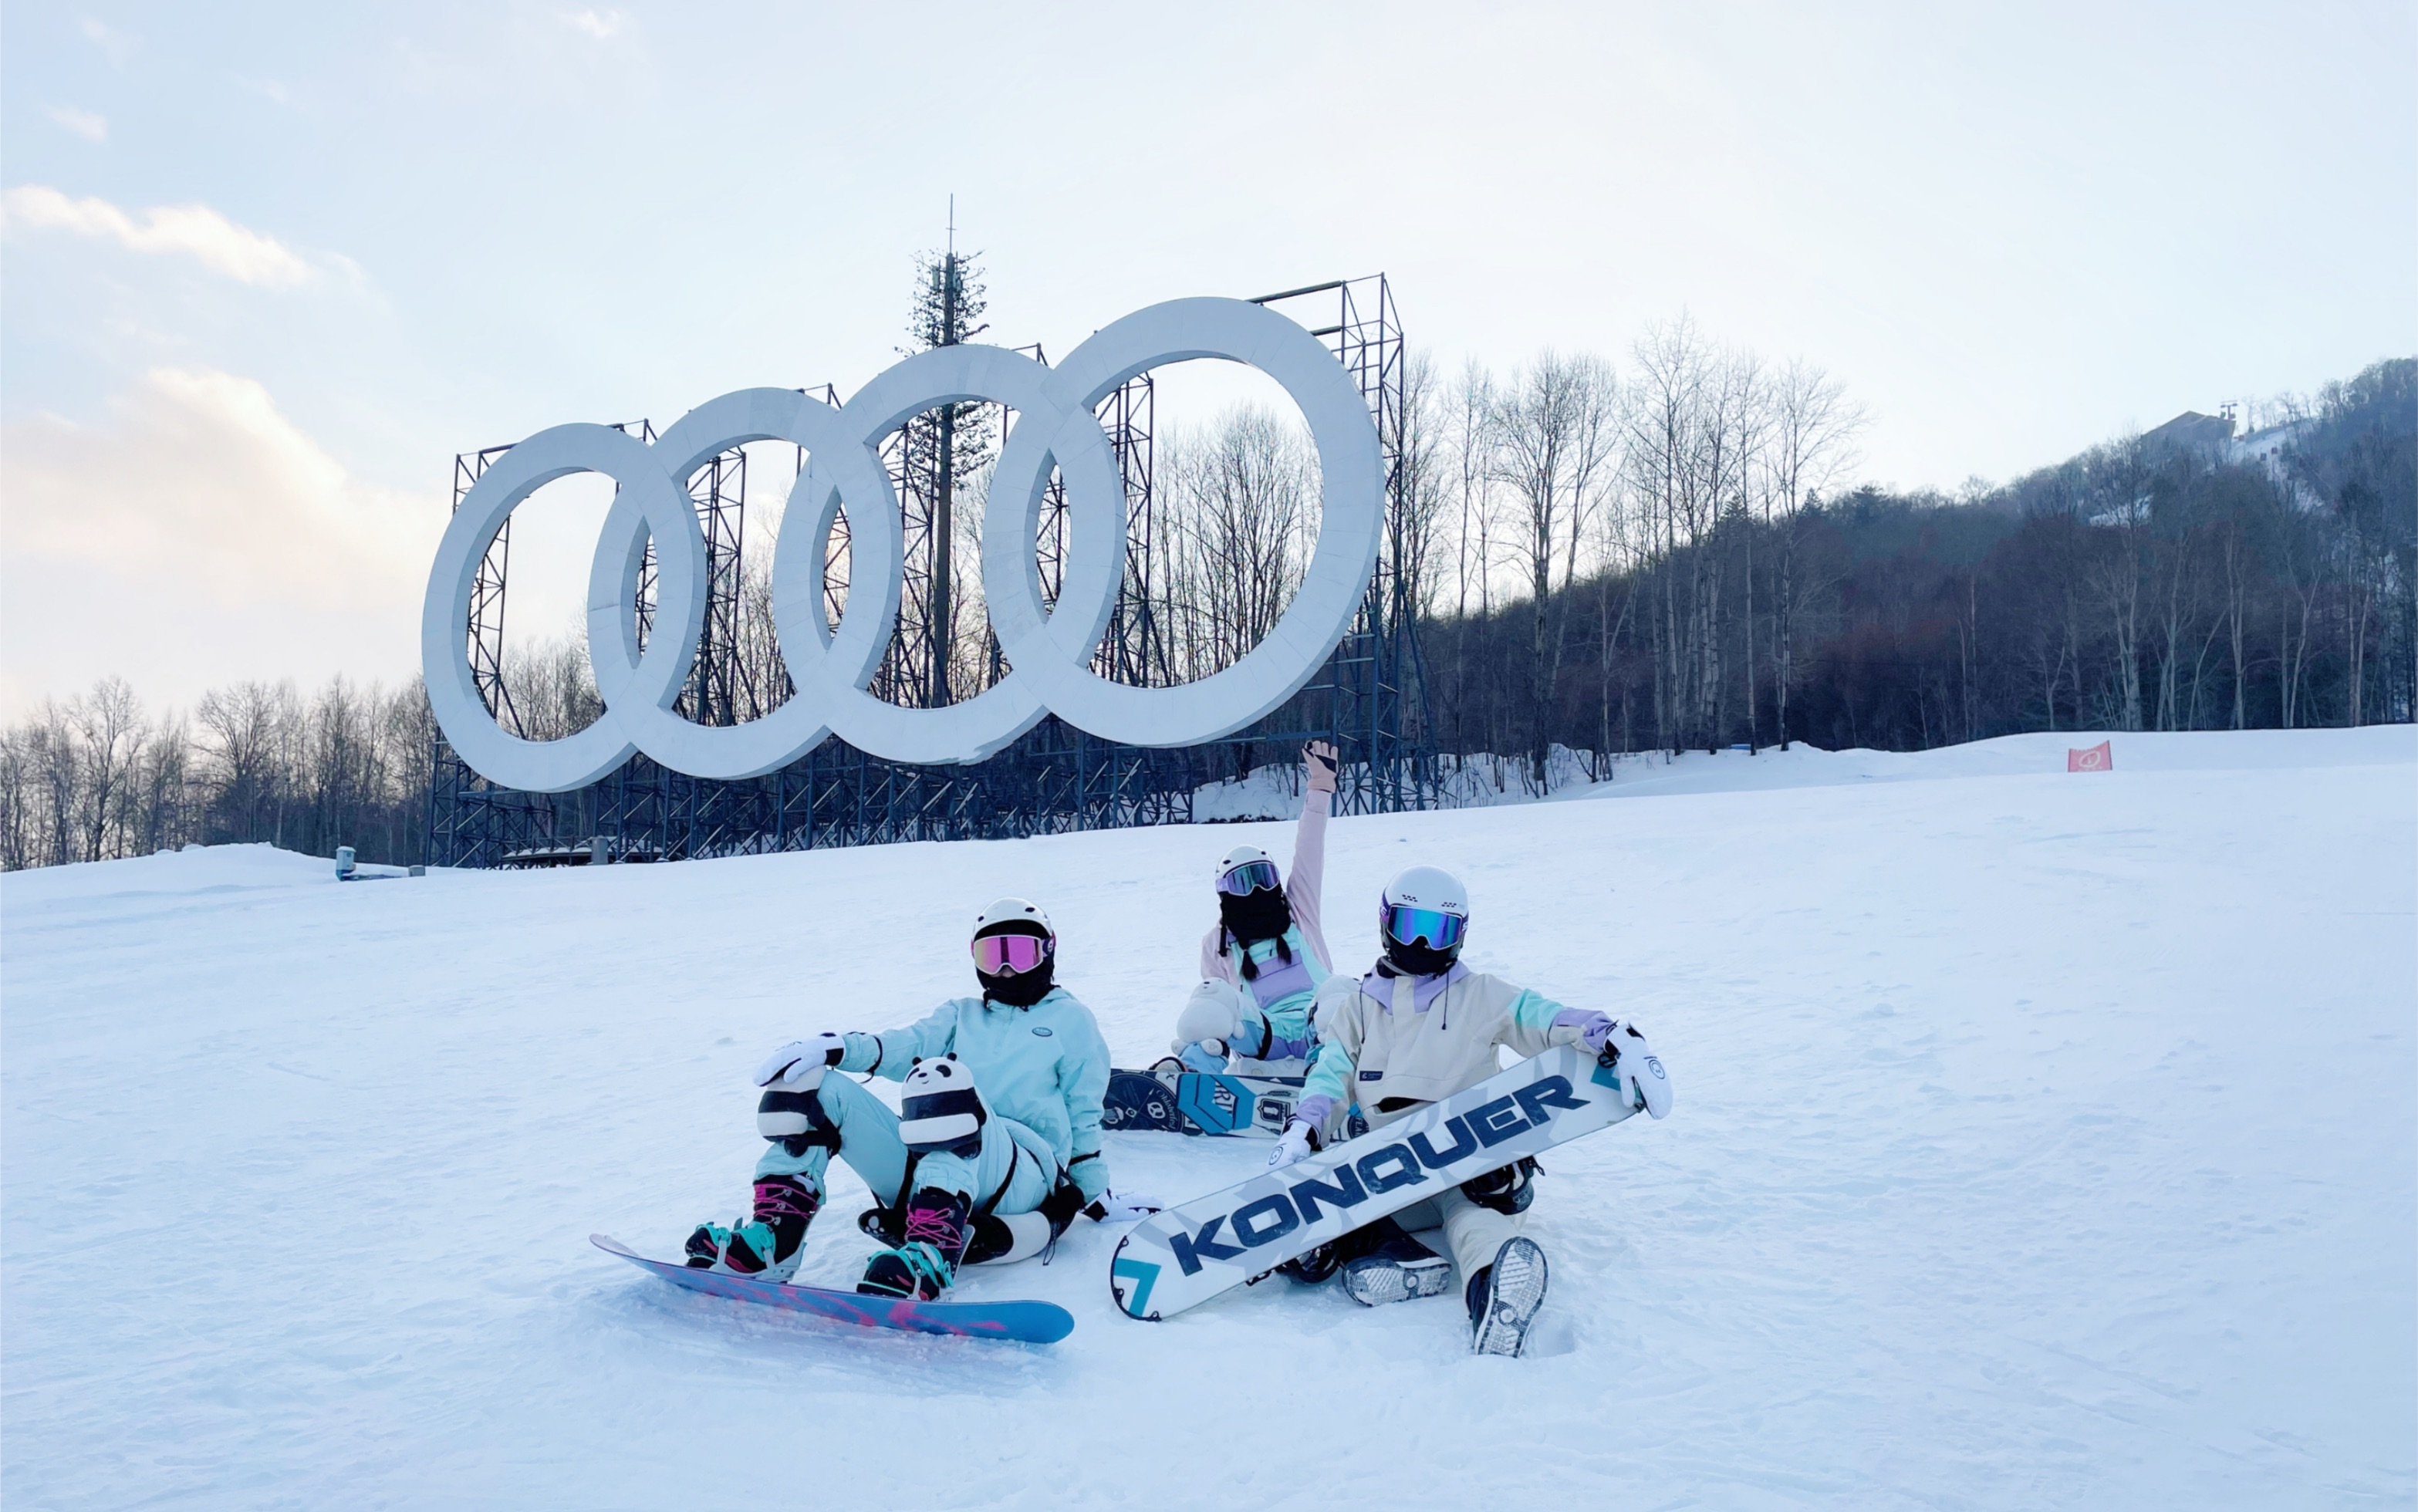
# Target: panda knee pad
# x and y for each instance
(940, 1110)
(795, 1120)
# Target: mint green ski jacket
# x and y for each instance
(1046, 1067)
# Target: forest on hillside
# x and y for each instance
(2157, 582)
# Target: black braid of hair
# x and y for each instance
(1226, 941)
(1263, 914)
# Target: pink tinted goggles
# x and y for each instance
(1011, 955)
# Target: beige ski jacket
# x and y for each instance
(1379, 1046)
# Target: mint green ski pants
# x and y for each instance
(869, 1142)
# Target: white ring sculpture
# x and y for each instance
(1047, 652)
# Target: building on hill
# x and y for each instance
(2191, 431)
(2266, 447)
(2211, 438)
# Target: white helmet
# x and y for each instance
(1423, 919)
(1428, 886)
(1011, 910)
(1239, 856)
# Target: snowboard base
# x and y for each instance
(1027, 1322)
(1202, 1103)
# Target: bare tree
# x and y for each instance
(242, 740)
(1421, 446)
(108, 726)
(1681, 460)
(163, 818)
(17, 782)
(2119, 493)
(553, 687)
(1469, 441)
(1556, 440)
(1809, 443)
(1620, 561)
(1239, 512)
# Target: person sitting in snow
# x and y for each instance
(1418, 1028)
(998, 1148)
(1262, 965)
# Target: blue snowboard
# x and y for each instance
(1028, 1323)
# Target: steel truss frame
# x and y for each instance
(1369, 697)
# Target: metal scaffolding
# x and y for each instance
(486, 628)
(1369, 697)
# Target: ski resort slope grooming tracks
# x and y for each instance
(2041, 1141)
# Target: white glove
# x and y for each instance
(1213, 1011)
(798, 1066)
(1641, 1079)
(1121, 1207)
(1293, 1146)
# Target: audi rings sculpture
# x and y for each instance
(1047, 652)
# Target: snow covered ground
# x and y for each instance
(2040, 1141)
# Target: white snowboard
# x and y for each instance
(1184, 1256)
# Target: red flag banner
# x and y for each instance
(2100, 757)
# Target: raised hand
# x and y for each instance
(1318, 766)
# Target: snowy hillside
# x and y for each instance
(2040, 1141)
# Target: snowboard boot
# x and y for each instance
(1504, 1298)
(1312, 1268)
(926, 1265)
(1396, 1268)
(769, 1245)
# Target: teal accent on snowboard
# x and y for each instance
(1027, 1322)
(1186, 1255)
(1199, 1102)
(1215, 1103)
(1144, 1274)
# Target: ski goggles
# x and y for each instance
(1407, 926)
(1011, 954)
(1250, 878)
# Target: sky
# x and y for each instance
(264, 270)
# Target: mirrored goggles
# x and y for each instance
(1409, 925)
(1011, 955)
(1250, 878)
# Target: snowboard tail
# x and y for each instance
(1028, 1323)
(1188, 1254)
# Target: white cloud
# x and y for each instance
(196, 538)
(110, 40)
(603, 26)
(273, 90)
(194, 230)
(83, 123)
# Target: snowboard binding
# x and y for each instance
(766, 1247)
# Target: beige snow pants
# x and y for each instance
(1471, 1232)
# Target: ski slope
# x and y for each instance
(2040, 1141)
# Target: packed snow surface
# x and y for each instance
(2040, 1141)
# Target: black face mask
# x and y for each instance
(1418, 957)
(1023, 988)
(1260, 914)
